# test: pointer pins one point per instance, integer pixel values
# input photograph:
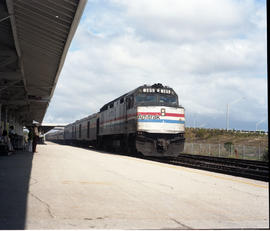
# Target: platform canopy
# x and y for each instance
(46, 127)
(34, 40)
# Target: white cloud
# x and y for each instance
(182, 20)
(210, 52)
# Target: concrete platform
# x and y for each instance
(64, 187)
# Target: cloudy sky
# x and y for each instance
(212, 53)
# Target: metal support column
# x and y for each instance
(6, 118)
(1, 129)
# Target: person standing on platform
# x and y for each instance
(35, 138)
(12, 135)
(30, 140)
(6, 141)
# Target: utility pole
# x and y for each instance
(227, 118)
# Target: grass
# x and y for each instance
(218, 136)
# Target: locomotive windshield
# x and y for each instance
(145, 98)
(156, 100)
(167, 100)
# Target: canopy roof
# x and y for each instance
(34, 40)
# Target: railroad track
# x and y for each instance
(257, 170)
(252, 169)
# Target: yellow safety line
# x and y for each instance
(207, 174)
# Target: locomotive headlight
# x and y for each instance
(163, 111)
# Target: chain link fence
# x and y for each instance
(228, 151)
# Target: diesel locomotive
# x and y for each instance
(147, 120)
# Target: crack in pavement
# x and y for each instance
(43, 202)
(35, 181)
(179, 223)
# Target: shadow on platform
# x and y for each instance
(15, 171)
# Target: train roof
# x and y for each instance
(83, 119)
(156, 85)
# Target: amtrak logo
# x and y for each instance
(148, 117)
(163, 111)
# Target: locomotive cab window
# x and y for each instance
(156, 99)
(168, 100)
(146, 99)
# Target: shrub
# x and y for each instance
(200, 133)
(265, 156)
(228, 146)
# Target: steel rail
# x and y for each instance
(257, 170)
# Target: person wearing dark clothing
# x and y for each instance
(30, 140)
(6, 141)
(35, 138)
(12, 135)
